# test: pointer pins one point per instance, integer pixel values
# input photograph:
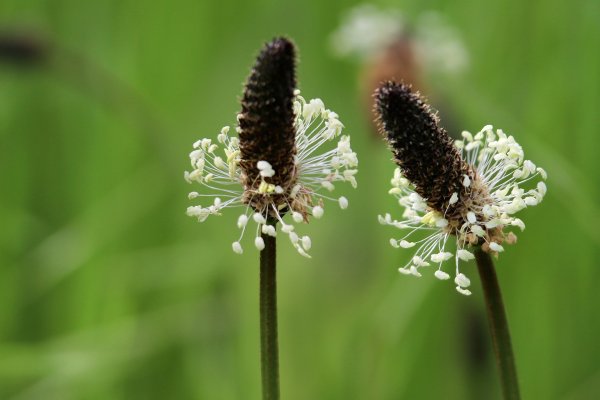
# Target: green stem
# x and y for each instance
(269, 354)
(498, 326)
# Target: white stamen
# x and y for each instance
(259, 243)
(317, 212)
(462, 281)
(242, 221)
(259, 219)
(496, 247)
(237, 247)
(441, 275)
(465, 255)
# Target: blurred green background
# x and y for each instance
(108, 291)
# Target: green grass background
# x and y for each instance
(108, 291)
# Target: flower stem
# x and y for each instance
(498, 326)
(269, 353)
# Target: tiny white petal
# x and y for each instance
(488, 211)
(317, 212)
(287, 228)
(493, 223)
(531, 201)
(269, 230)
(467, 135)
(259, 243)
(466, 181)
(302, 252)
(405, 244)
(453, 198)
(441, 223)
(462, 281)
(441, 275)
(328, 185)
(519, 223)
(262, 165)
(242, 221)
(496, 247)
(267, 173)
(541, 187)
(297, 217)
(306, 243)
(441, 257)
(519, 173)
(419, 261)
(465, 255)
(259, 219)
(471, 217)
(343, 202)
(477, 230)
(529, 166)
(542, 172)
(219, 163)
(237, 247)
(465, 292)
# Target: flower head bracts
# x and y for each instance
(216, 167)
(480, 210)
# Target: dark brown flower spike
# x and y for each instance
(468, 189)
(421, 147)
(266, 121)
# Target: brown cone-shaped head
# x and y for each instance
(267, 117)
(422, 149)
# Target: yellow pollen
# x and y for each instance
(265, 188)
(430, 218)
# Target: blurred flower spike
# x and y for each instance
(467, 190)
(366, 31)
(278, 165)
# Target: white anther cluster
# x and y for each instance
(317, 171)
(506, 179)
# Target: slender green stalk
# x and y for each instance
(269, 352)
(498, 326)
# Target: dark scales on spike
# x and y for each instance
(267, 117)
(422, 149)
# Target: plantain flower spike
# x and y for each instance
(465, 191)
(281, 163)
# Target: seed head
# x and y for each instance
(421, 148)
(280, 163)
(266, 122)
(468, 190)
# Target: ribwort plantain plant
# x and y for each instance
(465, 191)
(277, 166)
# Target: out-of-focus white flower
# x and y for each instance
(366, 30)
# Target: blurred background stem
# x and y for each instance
(269, 352)
(498, 326)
